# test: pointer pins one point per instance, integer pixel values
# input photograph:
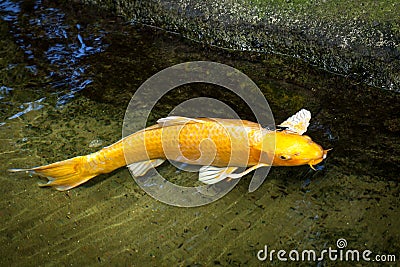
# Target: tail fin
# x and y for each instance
(62, 175)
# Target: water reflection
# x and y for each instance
(55, 46)
(4, 91)
(9, 10)
(27, 107)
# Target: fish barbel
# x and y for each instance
(221, 146)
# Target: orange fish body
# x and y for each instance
(217, 142)
(220, 145)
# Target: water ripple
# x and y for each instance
(55, 46)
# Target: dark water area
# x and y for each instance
(67, 75)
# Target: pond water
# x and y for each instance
(67, 75)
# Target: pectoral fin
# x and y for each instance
(298, 123)
(142, 167)
(212, 175)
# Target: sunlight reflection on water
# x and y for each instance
(63, 45)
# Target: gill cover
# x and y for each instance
(298, 123)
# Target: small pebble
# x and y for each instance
(96, 143)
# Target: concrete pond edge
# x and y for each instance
(361, 45)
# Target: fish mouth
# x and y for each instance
(317, 161)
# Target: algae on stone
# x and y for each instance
(359, 39)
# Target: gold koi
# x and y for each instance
(221, 146)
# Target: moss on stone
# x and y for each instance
(359, 39)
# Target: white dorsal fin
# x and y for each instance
(142, 167)
(299, 122)
(212, 175)
(177, 120)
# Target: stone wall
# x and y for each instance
(359, 39)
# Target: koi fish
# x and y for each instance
(220, 146)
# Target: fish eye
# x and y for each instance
(284, 157)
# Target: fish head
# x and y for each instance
(292, 149)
